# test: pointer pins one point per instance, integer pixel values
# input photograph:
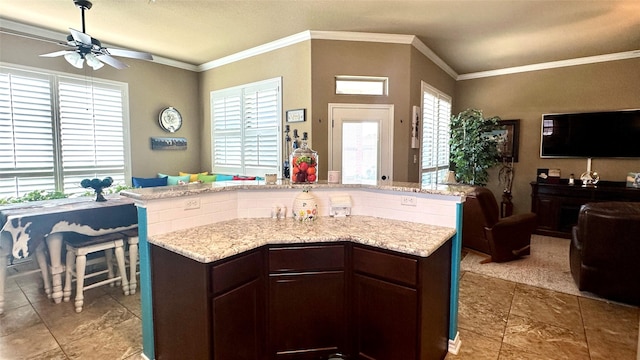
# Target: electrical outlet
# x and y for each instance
(408, 200)
(191, 204)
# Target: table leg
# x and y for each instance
(54, 243)
(5, 246)
(133, 259)
(41, 258)
(123, 270)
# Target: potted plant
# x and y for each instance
(473, 148)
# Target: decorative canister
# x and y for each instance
(305, 207)
(304, 163)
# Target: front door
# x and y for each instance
(361, 142)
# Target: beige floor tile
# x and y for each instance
(484, 304)
(99, 313)
(546, 340)
(509, 352)
(56, 354)
(27, 343)
(476, 347)
(14, 298)
(550, 307)
(120, 341)
(18, 319)
(611, 329)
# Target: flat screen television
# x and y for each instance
(610, 134)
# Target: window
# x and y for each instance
(56, 130)
(436, 119)
(361, 85)
(245, 128)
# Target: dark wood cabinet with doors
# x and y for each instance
(302, 301)
(307, 302)
(400, 304)
(558, 205)
(203, 311)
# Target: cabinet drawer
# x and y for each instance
(306, 258)
(236, 272)
(386, 266)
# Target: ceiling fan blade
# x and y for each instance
(80, 37)
(57, 53)
(130, 54)
(109, 60)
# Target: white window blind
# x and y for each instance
(246, 129)
(56, 130)
(436, 120)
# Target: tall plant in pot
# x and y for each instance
(473, 147)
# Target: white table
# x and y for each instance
(28, 227)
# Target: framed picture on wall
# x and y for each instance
(508, 134)
(297, 115)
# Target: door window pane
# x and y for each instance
(360, 152)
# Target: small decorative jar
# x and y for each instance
(304, 165)
(305, 207)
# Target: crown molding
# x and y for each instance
(45, 35)
(552, 65)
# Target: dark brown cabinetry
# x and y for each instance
(558, 205)
(302, 302)
(307, 302)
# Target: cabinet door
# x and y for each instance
(547, 211)
(237, 323)
(385, 319)
(307, 318)
(238, 308)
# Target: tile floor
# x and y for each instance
(498, 320)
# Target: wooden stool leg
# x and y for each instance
(123, 270)
(81, 264)
(109, 257)
(66, 293)
(133, 259)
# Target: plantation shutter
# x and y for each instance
(436, 121)
(245, 129)
(26, 134)
(91, 132)
(56, 130)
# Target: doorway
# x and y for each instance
(361, 142)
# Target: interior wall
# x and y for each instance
(331, 58)
(292, 63)
(152, 87)
(527, 96)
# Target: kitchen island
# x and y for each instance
(378, 284)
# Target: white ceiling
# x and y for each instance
(470, 36)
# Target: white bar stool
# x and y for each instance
(78, 247)
(131, 237)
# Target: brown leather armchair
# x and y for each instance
(605, 250)
(482, 229)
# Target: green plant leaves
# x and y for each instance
(473, 148)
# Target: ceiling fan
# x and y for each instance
(84, 47)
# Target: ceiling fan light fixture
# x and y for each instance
(93, 61)
(74, 59)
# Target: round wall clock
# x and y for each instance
(170, 119)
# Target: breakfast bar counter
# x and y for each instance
(221, 278)
(209, 243)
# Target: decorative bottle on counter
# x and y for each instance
(304, 164)
(305, 207)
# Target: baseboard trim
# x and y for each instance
(454, 345)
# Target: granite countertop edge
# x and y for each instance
(164, 192)
(218, 241)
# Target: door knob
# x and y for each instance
(384, 177)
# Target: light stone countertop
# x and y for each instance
(220, 240)
(165, 192)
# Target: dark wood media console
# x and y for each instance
(558, 205)
(303, 302)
